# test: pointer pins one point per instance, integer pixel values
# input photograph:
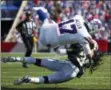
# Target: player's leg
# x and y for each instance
(51, 64)
(12, 59)
(54, 78)
(68, 72)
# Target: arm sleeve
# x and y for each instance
(95, 45)
(86, 48)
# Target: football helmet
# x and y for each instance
(96, 26)
(41, 13)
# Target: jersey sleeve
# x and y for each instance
(95, 45)
(90, 44)
(86, 48)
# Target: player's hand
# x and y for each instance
(96, 61)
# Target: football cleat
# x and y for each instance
(22, 80)
(25, 65)
(12, 59)
(8, 59)
(4, 59)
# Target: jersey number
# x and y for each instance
(71, 30)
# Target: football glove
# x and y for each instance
(96, 61)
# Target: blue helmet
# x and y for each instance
(42, 13)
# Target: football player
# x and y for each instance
(74, 30)
(65, 70)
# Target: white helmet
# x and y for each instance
(96, 26)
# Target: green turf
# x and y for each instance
(100, 79)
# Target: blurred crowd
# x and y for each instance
(61, 10)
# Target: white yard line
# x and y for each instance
(32, 53)
(70, 84)
(36, 76)
(23, 72)
(81, 78)
(49, 72)
(44, 71)
(14, 68)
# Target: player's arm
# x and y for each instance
(90, 46)
(88, 50)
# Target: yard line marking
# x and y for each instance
(38, 76)
(32, 53)
(49, 72)
(13, 69)
(22, 72)
(69, 83)
(96, 77)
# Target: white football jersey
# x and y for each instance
(68, 32)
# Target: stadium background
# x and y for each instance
(60, 10)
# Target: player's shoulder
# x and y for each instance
(79, 17)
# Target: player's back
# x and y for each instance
(70, 31)
(73, 30)
(48, 33)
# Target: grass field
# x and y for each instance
(100, 79)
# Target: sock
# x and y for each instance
(34, 80)
(41, 80)
(19, 59)
(38, 62)
(46, 79)
(37, 80)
